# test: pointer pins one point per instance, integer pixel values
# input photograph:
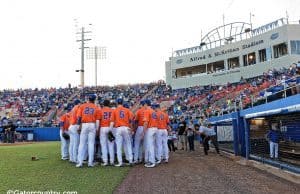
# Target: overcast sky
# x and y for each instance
(38, 38)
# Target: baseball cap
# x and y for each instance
(119, 101)
(142, 102)
(92, 97)
(126, 105)
(148, 102)
(77, 101)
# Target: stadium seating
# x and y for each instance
(42, 107)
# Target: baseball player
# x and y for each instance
(105, 117)
(162, 136)
(73, 132)
(131, 121)
(88, 117)
(121, 120)
(64, 135)
(138, 138)
(150, 128)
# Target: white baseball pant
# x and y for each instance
(150, 144)
(162, 144)
(87, 138)
(106, 144)
(138, 144)
(64, 145)
(74, 142)
(123, 134)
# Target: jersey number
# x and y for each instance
(154, 116)
(161, 117)
(122, 114)
(106, 115)
(88, 111)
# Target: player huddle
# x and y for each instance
(115, 127)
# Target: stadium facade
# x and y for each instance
(234, 51)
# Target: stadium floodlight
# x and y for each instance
(96, 53)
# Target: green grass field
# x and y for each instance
(18, 172)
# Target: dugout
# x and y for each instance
(284, 113)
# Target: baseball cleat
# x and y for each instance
(150, 165)
(104, 164)
(91, 165)
(78, 165)
(119, 165)
(158, 161)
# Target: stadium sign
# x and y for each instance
(225, 51)
(179, 61)
(254, 43)
(274, 36)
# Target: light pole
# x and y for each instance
(96, 53)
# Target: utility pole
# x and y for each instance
(82, 40)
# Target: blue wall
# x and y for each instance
(42, 134)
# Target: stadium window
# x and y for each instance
(215, 66)
(280, 50)
(269, 53)
(251, 58)
(233, 63)
(295, 47)
(245, 60)
(262, 55)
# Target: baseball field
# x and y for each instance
(186, 172)
(49, 173)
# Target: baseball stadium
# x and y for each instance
(226, 119)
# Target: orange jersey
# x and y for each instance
(121, 116)
(163, 120)
(73, 115)
(105, 116)
(89, 113)
(139, 117)
(151, 118)
(65, 119)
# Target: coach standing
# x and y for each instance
(182, 133)
(88, 118)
